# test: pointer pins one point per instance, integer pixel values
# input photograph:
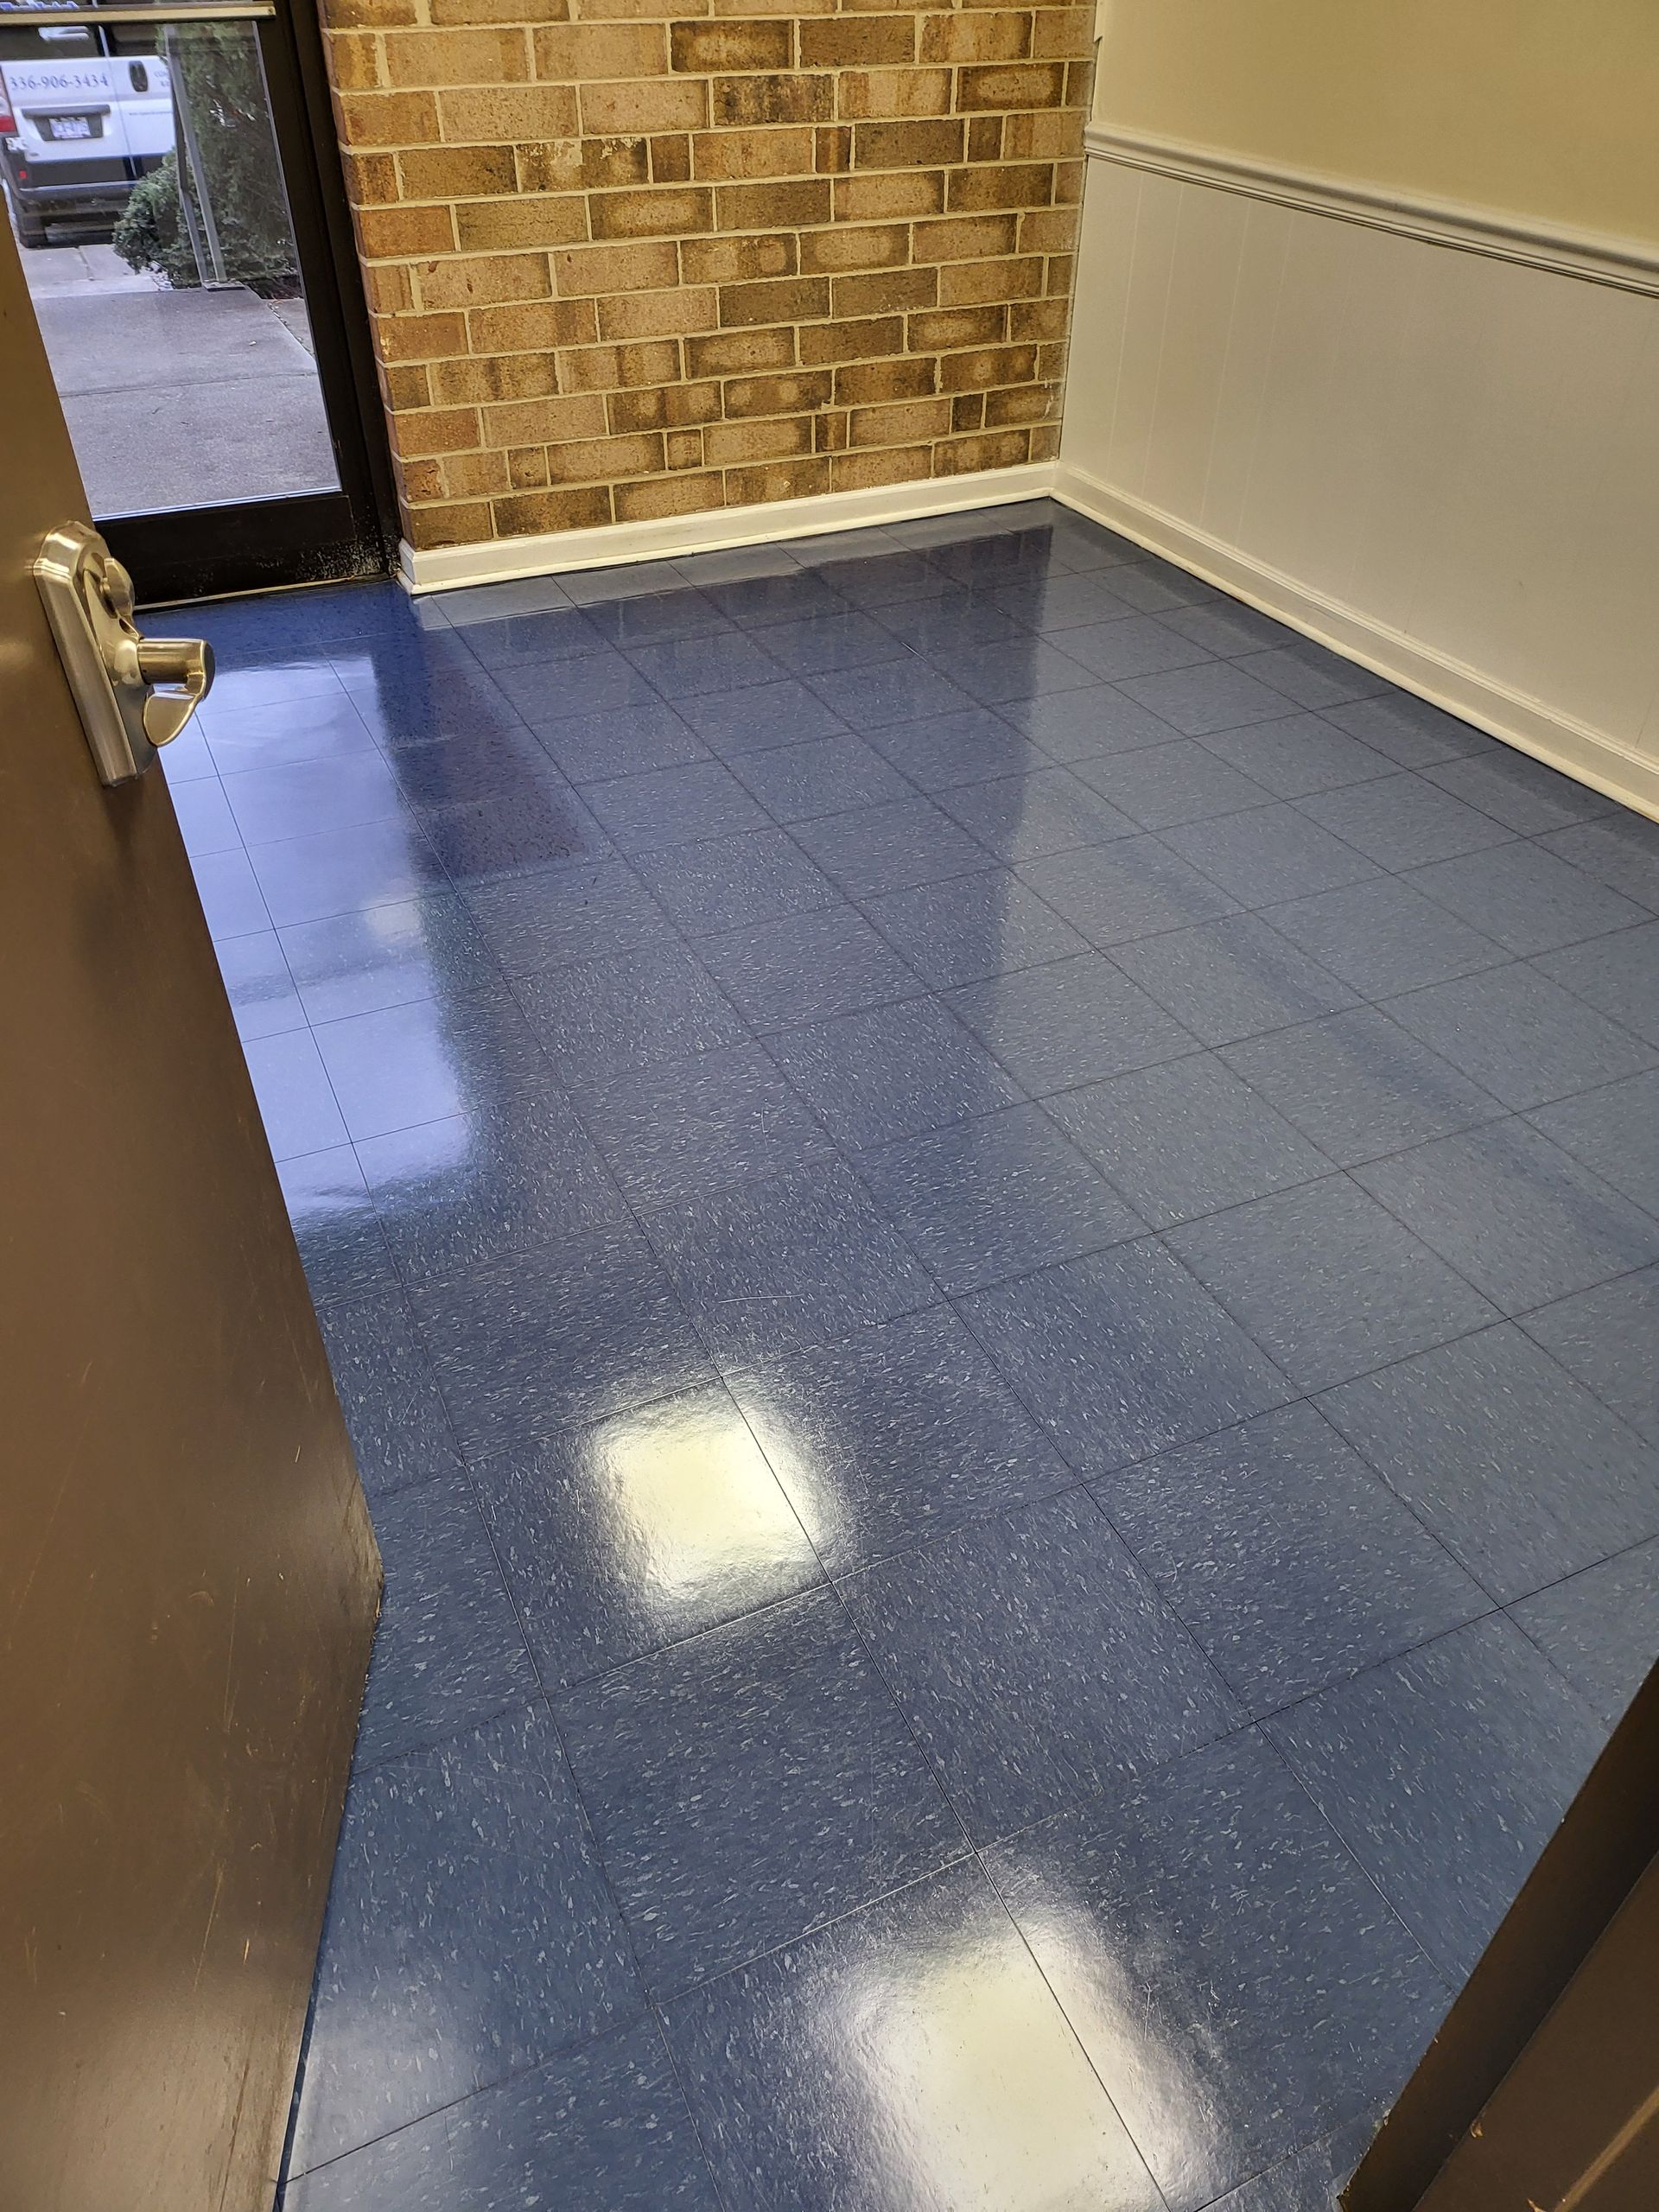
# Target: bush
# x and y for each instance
(217, 77)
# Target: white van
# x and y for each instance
(81, 120)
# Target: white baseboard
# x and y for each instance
(1588, 754)
(502, 559)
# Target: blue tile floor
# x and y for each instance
(991, 1237)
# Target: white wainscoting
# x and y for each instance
(1439, 456)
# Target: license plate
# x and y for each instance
(68, 126)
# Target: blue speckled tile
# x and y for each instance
(469, 1936)
(1520, 1036)
(1233, 978)
(953, 622)
(1012, 669)
(324, 725)
(1154, 587)
(1126, 889)
(995, 1196)
(649, 618)
(338, 871)
(597, 684)
(1359, 1085)
(357, 963)
(581, 909)
(735, 882)
(335, 1225)
(1122, 1355)
(681, 668)
(891, 848)
(1186, 1138)
(1600, 1628)
(471, 603)
(1288, 1560)
(605, 2125)
(1078, 725)
(946, 750)
(749, 1785)
(1311, 2179)
(891, 691)
(1622, 852)
(204, 816)
(1520, 793)
(1131, 644)
(1036, 1662)
(400, 1432)
(1385, 936)
(1615, 1131)
(273, 681)
(1228, 627)
(1512, 1212)
(1526, 898)
(830, 775)
(1517, 1469)
(1605, 1336)
(972, 926)
(761, 714)
(653, 1003)
(601, 588)
(1619, 975)
(444, 771)
(1403, 822)
(1445, 1772)
(1268, 854)
(448, 1651)
(1407, 730)
(1059, 602)
(1159, 786)
(620, 1538)
(1327, 1282)
(681, 1126)
(669, 806)
(1303, 753)
(1235, 1981)
(1026, 817)
(585, 1330)
(231, 898)
(272, 803)
(1311, 675)
(835, 635)
(892, 1071)
(910, 2055)
(259, 986)
(188, 760)
(295, 1102)
(1214, 696)
(800, 1257)
(510, 1174)
(1071, 1021)
(430, 1058)
(626, 741)
(757, 601)
(411, 705)
(891, 1438)
(805, 968)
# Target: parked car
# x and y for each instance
(83, 116)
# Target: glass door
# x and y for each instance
(170, 178)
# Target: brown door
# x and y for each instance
(188, 1577)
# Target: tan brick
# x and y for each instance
(643, 105)
(668, 212)
(435, 430)
(1051, 134)
(611, 368)
(573, 52)
(852, 341)
(1026, 402)
(968, 411)
(465, 524)
(900, 422)
(583, 272)
(1051, 363)
(750, 396)
(592, 461)
(964, 282)
(774, 98)
(507, 111)
(371, 178)
(773, 207)
(474, 475)
(863, 94)
(456, 172)
(785, 299)
(387, 287)
(501, 376)
(718, 156)
(497, 11)
(738, 260)
(483, 280)
(389, 118)
(986, 134)
(737, 352)
(387, 233)
(1006, 84)
(670, 407)
(966, 237)
(418, 480)
(848, 246)
(865, 384)
(956, 326)
(776, 479)
(457, 57)
(875, 199)
(408, 385)
(538, 323)
(1067, 32)
(726, 443)
(582, 164)
(1038, 319)
(367, 15)
(354, 62)
(1048, 230)
(905, 145)
(668, 495)
(889, 289)
(683, 450)
(535, 511)
(829, 431)
(834, 152)
(660, 314)
(526, 467)
(716, 49)
(989, 364)
(670, 159)
(537, 220)
(846, 41)
(861, 472)
(1007, 185)
(419, 337)
(976, 34)
(1061, 270)
(994, 450)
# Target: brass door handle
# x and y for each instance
(133, 693)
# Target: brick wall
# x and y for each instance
(629, 259)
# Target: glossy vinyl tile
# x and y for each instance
(679, 1128)
(1078, 725)
(1385, 936)
(891, 848)
(1600, 1628)
(469, 1936)
(399, 1429)
(272, 803)
(830, 775)
(910, 2054)
(1311, 675)
(805, 968)
(736, 881)
(361, 963)
(669, 806)
(1527, 899)
(1013, 668)
(1159, 786)
(1068, 1022)
(1236, 1981)
(552, 917)
(1519, 1470)
(1131, 887)
(1231, 979)
(448, 1651)
(259, 986)
(972, 926)
(1619, 974)
(508, 833)
(945, 750)
(680, 668)
(1445, 1772)
(1130, 644)
(1291, 1564)
(1268, 854)
(1404, 822)
(605, 2125)
(1622, 852)
(1026, 817)
(1293, 757)
(892, 1071)
(330, 872)
(1614, 1130)
(429, 1060)
(203, 813)
(759, 715)
(622, 741)
(650, 1003)
(1604, 1337)
(335, 1226)
(1408, 731)
(890, 1438)
(597, 684)
(749, 1785)
(533, 635)
(1213, 696)
(1036, 1662)
(1520, 792)
(297, 1103)
(889, 692)
(831, 637)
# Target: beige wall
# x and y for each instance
(1539, 108)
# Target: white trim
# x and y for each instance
(609, 543)
(1632, 264)
(1587, 755)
